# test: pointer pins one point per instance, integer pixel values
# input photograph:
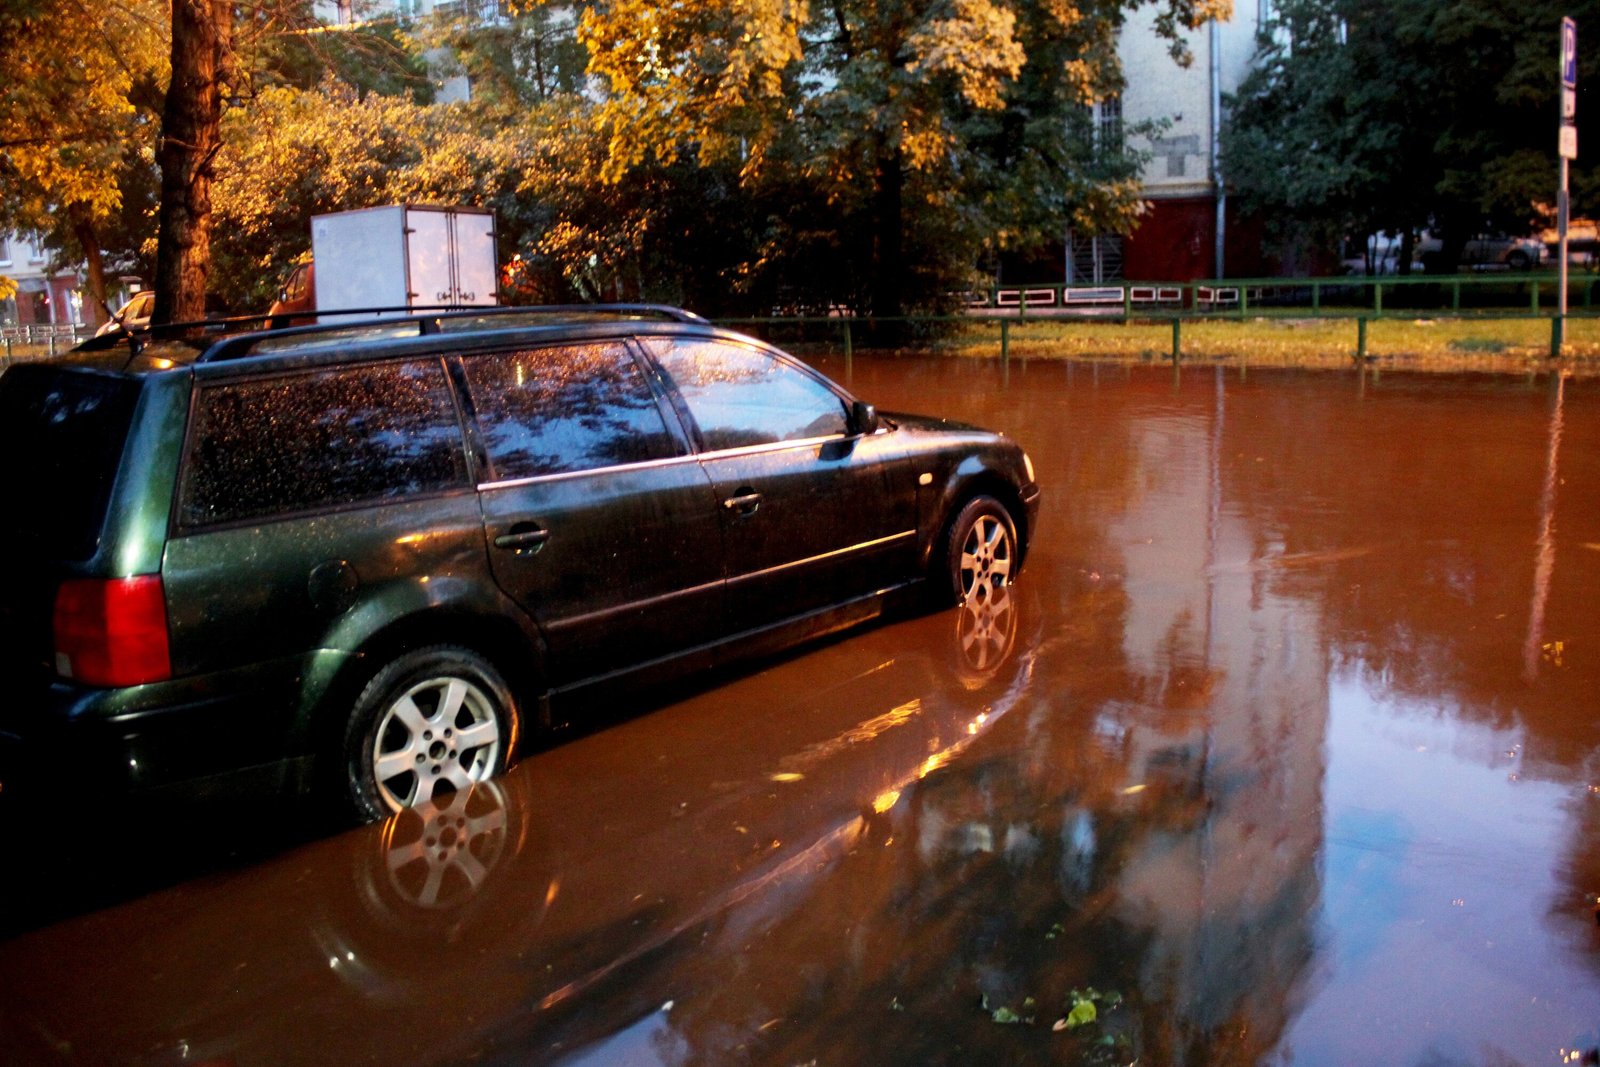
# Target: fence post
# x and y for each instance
(1533, 297)
(1127, 302)
(1316, 295)
(1377, 299)
(1005, 340)
(1557, 335)
(1455, 295)
(1361, 338)
(1177, 338)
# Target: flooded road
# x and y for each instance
(1285, 749)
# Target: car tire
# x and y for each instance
(978, 553)
(1517, 260)
(430, 720)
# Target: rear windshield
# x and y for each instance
(61, 436)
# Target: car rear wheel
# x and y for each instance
(1518, 260)
(979, 552)
(432, 721)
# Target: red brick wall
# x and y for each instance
(1177, 242)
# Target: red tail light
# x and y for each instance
(112, 632)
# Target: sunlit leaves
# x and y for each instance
(974, 44)
(70, 75)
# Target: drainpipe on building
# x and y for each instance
(1216, 148)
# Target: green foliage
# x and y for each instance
(295, 153)
(1403, 114)
(738, 156)
(931, 129)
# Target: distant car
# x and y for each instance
(368, 556)
(1484, 251)
(133, 315)
(297, 298)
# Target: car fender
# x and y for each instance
(429, 610)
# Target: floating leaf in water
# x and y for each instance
(1005, 1016)
(1082, 1014)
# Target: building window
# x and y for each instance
(1093, 260)
(1108, 124)
(5, 249)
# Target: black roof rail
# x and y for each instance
(412, 324)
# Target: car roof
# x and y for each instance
(243, 340)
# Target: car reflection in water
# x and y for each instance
(545, 913)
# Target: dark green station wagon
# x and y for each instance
(366, 557)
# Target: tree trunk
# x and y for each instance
(888, 283)
(83, 232)
(191, 133)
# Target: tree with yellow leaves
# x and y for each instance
(80, 86)
(931, 128)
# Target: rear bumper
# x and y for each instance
(206, 728)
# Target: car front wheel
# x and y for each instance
(979, 553)
(432, 721)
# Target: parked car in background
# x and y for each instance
(132, 315)
(1488, 251)
(297, 298)
(1583, 243)
(372, 557)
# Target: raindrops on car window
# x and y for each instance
(320, 439)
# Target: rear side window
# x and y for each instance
(62, 433)
(565, 408)
(743, 396)
(324, 439)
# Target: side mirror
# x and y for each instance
(863, 418)
(283, 295)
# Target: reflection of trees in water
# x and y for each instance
(1021, 872)
(578, 407)
(1420, 551)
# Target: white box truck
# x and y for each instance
(404, 256)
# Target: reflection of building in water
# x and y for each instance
(1232, 711)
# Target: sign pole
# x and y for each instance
(1567, 146)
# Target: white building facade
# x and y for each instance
(1189, 231)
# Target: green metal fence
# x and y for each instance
(1373, 296)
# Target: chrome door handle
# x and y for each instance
(523, 542)
(743, 503)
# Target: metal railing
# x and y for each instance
(1353, 295)
(50, 337)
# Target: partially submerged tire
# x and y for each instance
(978, 555)
(430, 721)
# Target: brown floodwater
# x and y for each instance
(1285, 749)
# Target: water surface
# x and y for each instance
(1284, 750)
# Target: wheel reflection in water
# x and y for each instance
(439, 853)
(986, 630)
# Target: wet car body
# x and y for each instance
(272, 620)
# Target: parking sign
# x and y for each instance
(1569, 53)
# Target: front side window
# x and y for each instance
(741, 396)
(323, 439)
(566, 408)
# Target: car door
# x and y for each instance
(812, 514)
(599, 521)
